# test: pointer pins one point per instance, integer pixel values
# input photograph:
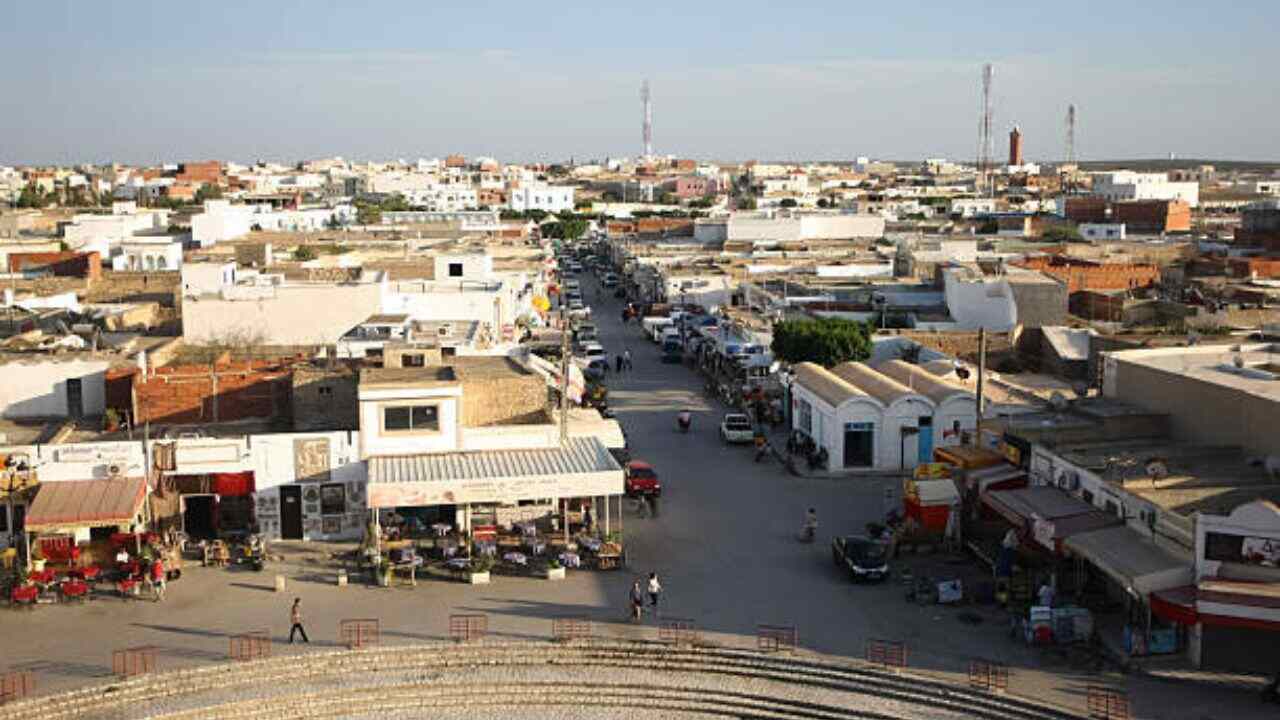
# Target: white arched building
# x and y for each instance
(838, 417)
(905, 435)
(954, 406)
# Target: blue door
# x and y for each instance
(924, 440)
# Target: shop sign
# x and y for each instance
(1260, 551)
(503, 490)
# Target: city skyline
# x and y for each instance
(818, 82)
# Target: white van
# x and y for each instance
(653, 326)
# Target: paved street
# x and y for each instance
(724, 546)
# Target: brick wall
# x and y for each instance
(324, 399)
(1088, 276)
(1086, 210)
(198, 393)
(962, 345)
(1154, 216)
(1247, 267)
(61, 264)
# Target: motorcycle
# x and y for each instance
(762, 448)
(253, 554)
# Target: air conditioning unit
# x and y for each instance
(115, 472)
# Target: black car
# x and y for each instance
(865, 558)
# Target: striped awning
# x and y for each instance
(583, 467)
(86, 503)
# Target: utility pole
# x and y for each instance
(982, 372)
(564, 381)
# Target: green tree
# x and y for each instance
(208, 192)
(573, 228)
(746, 202)
(368, 214)
(823, 202)
(395, 203)
(826, 341)
(33, 196)
(1061, 233)
(303, 253)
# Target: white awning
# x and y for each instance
(582, 468)
(1138, 564)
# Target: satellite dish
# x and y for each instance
(1058, 401)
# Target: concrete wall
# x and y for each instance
(376, 442)
(289, 315)
(39, 389)
(1200, 412)
(1040, 304)
(983, 304)
(323, 399)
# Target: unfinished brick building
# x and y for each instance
(1081, 274)
(59, 264)
(220, 392)
(1153, 216)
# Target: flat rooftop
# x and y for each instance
(1204, 478)
(1249, 368)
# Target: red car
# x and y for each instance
(641, 480)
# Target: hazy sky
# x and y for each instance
(150, 81)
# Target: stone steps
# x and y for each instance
(200, 686)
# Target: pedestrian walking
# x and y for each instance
(655, 589)
(157, 579)
(626, 358)
(295, 617)
(637, 601)
(620, 363)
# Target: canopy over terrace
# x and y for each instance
(66, 505)
(583, 467)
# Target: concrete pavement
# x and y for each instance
(723, 544)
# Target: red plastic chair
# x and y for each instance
(75, 590)
(25, 594)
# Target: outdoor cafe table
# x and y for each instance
(44, 577)
(88, 573)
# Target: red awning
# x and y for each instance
(1176, 605)
(233, 484)
(86, 503)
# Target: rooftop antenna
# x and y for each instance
(648, 118)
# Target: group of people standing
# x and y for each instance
(654, 589)
(624, 361)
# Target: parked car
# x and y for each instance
(864, 558)
(610, 280)
(641, 480)
(736, 428)
(593, 351)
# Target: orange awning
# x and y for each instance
(86, 503)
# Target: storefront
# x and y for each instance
(1135, 568)
(67, 515)
(498, 488)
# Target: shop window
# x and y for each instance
(455, 269)
(333, 499)
(806, 417)
(413, 360)
(411, 418)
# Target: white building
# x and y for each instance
(140, 253)
(220, 302)
(103, 232)
(551, 198)
(1123, 185)
(972, 207)
(1101, 231)
(221, 221)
